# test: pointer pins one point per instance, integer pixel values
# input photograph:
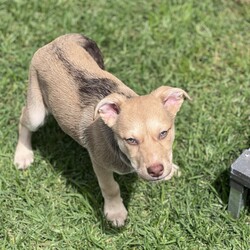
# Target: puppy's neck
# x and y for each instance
(125, 164)
(100, 139)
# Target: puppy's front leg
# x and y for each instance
(114, 208)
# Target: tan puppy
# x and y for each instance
(123, 132)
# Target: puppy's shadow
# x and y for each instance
(73, 162)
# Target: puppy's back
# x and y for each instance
(70, 72)
(60, 68)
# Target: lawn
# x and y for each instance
(200, 46)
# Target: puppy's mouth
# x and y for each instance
(158, 179)
(163, 177)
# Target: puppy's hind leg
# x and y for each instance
(32, 117)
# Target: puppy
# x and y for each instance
(123, 132)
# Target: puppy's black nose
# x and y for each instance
(155, 170)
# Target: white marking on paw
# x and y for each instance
(116, 213)
(177, 171)
(23, 157)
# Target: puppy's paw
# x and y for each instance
(177, 171)
(23, 157)
(116, 214)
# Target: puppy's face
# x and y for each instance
(144, 129)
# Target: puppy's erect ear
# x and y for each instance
(109, 108)
(172, 98)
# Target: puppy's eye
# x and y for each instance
(131, 141)
(163, 134)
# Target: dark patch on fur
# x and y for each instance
(97, 88)
(59, 53)
(91, 47)
(90, 89)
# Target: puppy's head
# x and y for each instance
(144, 128)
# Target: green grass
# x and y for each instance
(201, 46)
